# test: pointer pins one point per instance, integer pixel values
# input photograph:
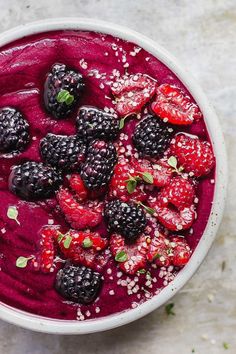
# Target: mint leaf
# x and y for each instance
(148, 209)
(67, 241)
(225, 345)
(141, 271)
(21, 261)
(87, 242)
(121, 256)
(12, 213)
(122, 123)
(64, 96)
(147, 177)
(169, 309)
(157, 256)
(60, 237)
(172, 161)
(131, 185)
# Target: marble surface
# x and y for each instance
(201, 34)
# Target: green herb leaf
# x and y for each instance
(148, 209)
(64, 96)
(147, 177)
(141, 271)
(122, 123)
(60, 237)
(225, 345)
(131, 185)
(12, 213)
(121, 256)
(67, 241)
(169, 309)
(21, 261)
(157, 256)
(172, 161)
(87, 242)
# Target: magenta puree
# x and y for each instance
(24, 64)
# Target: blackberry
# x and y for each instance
(127, 219)
(93, 123)
(152, 136)
(14, 131)
(64, 152)
(99, 164)
(33, 180)
(78, 284)
(62, 90)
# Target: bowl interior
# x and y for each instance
(42, 324)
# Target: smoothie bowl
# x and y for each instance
(112, 176)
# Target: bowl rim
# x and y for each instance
(47, 325)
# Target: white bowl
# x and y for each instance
(48, 325)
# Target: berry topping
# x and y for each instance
(152, 136)
(124, 184)
(194, 155)
(78, 284)
(77, 185)
(14, 131)
(159, 251)
(33, 180)
(130, 258)
(181, 251)
(98, 167)
(132, 93)
(173, 105)
(64, 152)
(174, 205)
(82, 247)
(62, 90)
(44, 260)
(79, 216)
(160, 170)
(93, 123)
(126, 218)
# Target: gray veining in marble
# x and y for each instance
(202, 34)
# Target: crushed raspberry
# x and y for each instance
(44, 260)
(132, 93)
(77, 185)
(79, 216)
(181, 251)
(123, 172)
(174, 205)
(129, 257)
(159, 251)
(160, 170)
(194, 155)
(82, 247)
(173, 105)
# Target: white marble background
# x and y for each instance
(202, 34)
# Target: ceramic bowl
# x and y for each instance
(48, 325)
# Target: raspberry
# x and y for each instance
(132, 93)
(44, 260)
(130, 258)
(64, 152)
(93, 123)
(33, 181)
(160, 170)
(84, 247)
(152, 136)
(174, 105)
(126, 218)
(79, 216)
(194, 155)
(98, 167)
(77, 185)
(174, 205)
(118, 185)
(78, 284)
(181, 251)
(62, 90)
(159, 251)
(14, 131)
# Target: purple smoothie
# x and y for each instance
(24, 65)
